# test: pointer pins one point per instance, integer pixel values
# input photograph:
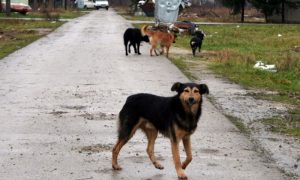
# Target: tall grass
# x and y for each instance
(237, 48)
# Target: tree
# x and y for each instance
(7, 8)
(289, 3)
(269, 7)
(237, 6)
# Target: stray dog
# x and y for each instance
(175, 117)
(164, 39)
(196, 41)
(134, 37)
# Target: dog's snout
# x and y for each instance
(191, 100)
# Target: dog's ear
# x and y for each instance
(176, 86)
(203, 89)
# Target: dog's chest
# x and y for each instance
(187, 123)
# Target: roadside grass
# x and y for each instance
(64, 14)
(179, 62)
(239, 124)
(232, 51)
(15, 34)
(288, 125)
(237, 48)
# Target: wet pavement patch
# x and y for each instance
(209, 151)
(99, 116)
(104, 171)
(96, 148)
(54, 112)
(79, 107)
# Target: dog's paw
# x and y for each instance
(181, 175)
(158, 165)
(116, 167)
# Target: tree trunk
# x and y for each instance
(35, 5)
(8, 9)
(266, 17)
(66, 4)
(283, 11)
(50, 5)
(242, 11)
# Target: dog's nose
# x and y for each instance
(191, 100)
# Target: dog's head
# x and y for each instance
(200, 34)
(145, 38)
(190, 94)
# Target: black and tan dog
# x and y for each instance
(175, 117)
(196, 41)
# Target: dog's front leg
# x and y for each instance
(135, 49)
(188, 150)
(176, 158)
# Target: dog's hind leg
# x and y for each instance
(199, 47)
(126, 44)
(194, 51)
(129, 47)
(134, 47)
(115, 153)
(124, 137)
(151, 134)
(188, 150)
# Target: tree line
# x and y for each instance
(267, 7)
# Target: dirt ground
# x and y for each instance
(60, 97)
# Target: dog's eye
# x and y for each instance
(196, 91)
(186, 90)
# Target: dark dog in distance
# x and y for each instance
(196, 41)
(134, 37)
(175, 117)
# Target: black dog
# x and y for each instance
(134, 37)
(196, 41)
(175, 117)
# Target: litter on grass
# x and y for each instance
(267, 67)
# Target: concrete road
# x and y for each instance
(59, 100)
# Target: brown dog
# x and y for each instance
(164, 39)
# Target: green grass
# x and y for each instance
(284, 125)
(239, 124)
(238, 48)
(179, 62)
(16, 34)
(231, 51)
(62, 14)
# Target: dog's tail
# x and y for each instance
(127, 121)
